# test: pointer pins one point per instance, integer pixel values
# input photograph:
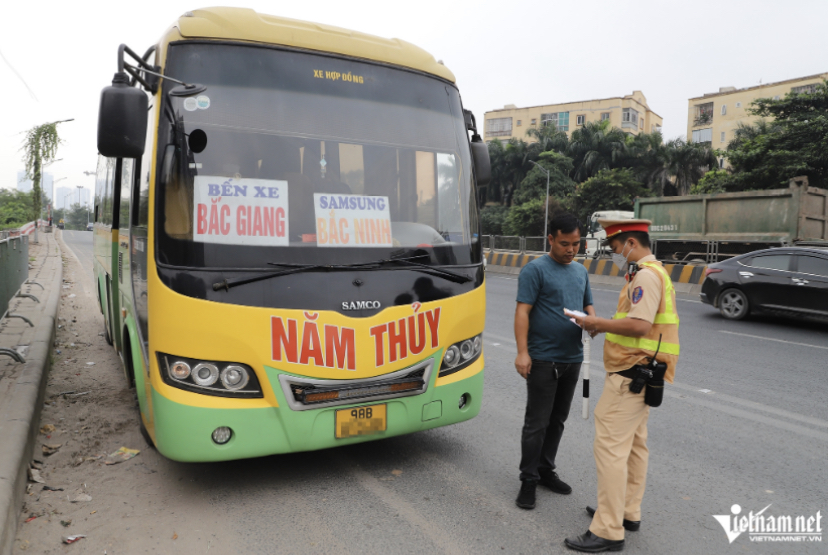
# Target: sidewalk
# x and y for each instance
(22, 385)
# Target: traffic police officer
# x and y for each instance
(646, 315)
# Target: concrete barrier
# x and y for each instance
(512, 262)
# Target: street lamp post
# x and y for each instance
(546, 201)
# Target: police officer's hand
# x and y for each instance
(588, 323)
(523, 364)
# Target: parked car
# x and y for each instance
(89, 226)
(791, 281)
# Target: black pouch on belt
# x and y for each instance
(654, 393)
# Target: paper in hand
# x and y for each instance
(573, 314)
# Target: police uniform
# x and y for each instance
(620, 445)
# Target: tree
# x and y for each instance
(492, 219)
(533, 185)
(548, 138)
(768, 154)
(714, 181)
(526, 220)
(594, 147)
(39, 148)
(688, 162)
(76, 217)
(516, 156)
(15, 208)
(609, 190)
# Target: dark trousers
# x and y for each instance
(550, 388)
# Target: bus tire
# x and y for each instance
(126, 352)
(107, 335)
(144, 432)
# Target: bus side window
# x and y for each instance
(100, 184)
(127, 167)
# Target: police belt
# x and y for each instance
(631, 374)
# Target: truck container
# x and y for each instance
(709, 228)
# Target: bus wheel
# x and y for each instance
(144, 432)
(107, 335)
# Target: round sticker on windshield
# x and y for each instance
(638, 292)
(203, 102)
(190, 104)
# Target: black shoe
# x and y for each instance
(526, 497)
(590, 543)
(549, 478)
(631, 525)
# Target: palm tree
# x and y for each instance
(517, 154)
(548, 138)
(594, 147)
(688, 162)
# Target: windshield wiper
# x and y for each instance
(297, 268)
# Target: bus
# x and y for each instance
(287, 240)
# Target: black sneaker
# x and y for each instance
(526, 496)
(549, 478)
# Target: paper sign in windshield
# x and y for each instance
(240, 211)
(352, 221)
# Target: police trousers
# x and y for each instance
(621, 455)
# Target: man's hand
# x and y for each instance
(523, 364)
(589, 323)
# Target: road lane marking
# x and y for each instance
(739, 413)
(721, 396)
(439, 537)
(755, 406)
(772, 339)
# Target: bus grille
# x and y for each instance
(307, 393)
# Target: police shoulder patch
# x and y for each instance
(637, 293)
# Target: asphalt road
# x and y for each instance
(81, 244)
(746, 423)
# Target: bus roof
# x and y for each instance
(244, 24)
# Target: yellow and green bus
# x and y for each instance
(287, 244)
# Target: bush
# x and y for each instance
(492, 219)
(714, 181)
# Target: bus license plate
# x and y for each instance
(360, 421)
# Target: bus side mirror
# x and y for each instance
(482, 164)
(122, 120)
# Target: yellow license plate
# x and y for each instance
(360, 421)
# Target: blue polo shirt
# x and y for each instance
(550, 287)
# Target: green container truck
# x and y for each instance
(710, 228)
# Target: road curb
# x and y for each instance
(21, 414)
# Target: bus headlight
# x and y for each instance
(180, 370)
(452, 356)
(234, 377)
(461, 354)
(209, 377)
(467, 349)
(205, 374)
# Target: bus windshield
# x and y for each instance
(291, 157)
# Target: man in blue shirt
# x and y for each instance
(550, 352)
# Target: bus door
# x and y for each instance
(120, 248)
(103, 236)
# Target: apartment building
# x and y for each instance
(630, 113)
(714, 117)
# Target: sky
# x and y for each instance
(525, 53)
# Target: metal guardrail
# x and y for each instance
(14, 268)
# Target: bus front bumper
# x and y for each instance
(184, 432)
